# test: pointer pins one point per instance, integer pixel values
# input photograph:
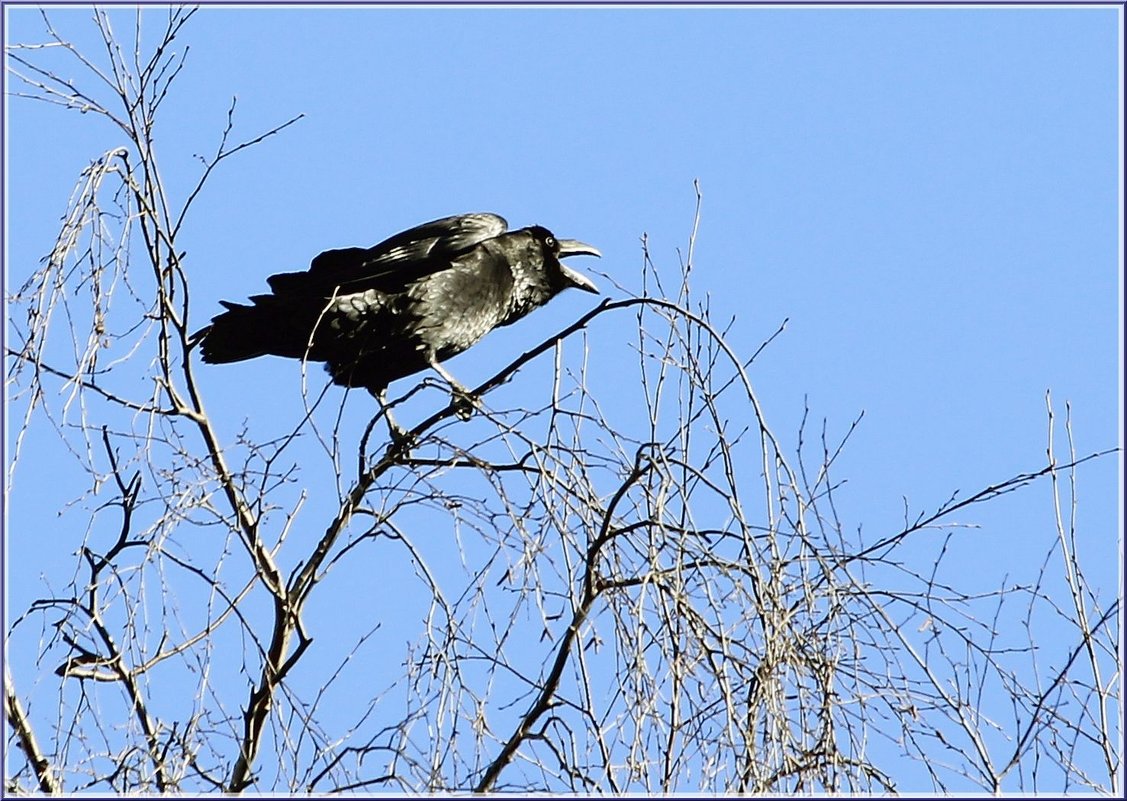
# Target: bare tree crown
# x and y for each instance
(576, 591)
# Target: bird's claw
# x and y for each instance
(463, 403)
(402, 441)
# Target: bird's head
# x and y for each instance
(555, 249)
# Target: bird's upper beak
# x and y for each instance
(573, 247)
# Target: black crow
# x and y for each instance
(377, 314)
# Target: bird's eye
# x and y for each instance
(550, 241)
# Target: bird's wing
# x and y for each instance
(441, 239)
(398, 260)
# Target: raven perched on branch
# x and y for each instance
(377, 314)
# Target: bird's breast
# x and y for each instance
(456, 308)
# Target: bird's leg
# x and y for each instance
(401, 439)
(463, 399)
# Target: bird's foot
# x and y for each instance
(463, 402)
(402, 441)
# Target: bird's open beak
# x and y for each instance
(573, 247)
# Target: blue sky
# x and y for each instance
(929, 196)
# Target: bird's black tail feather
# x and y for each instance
(245, 332)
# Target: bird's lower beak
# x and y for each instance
(579, 281)
(573, 247)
